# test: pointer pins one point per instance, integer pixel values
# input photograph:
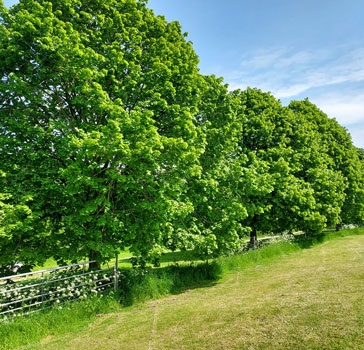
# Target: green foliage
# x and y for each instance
(295, 164)
(16, 226)
(98, 110)
(276, 200)
(342, 200)
(216, 224)
(111, 139)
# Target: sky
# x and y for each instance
(292, 48)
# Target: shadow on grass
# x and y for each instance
(186, 271)
(166, 258)
(139, 285)
(176, 257)
(306, 242)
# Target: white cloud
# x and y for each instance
(287, 74)
(333, 79)
(348, 109)
(357, 135)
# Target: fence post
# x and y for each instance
(42, 290)
(116, 275)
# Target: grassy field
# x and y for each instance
(124, 260)
(296, 299)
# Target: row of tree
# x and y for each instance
(112, 139)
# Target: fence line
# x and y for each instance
(34, 291)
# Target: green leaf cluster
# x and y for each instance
(111, 138)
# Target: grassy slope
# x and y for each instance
(310, 299)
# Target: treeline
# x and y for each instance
(112, 139)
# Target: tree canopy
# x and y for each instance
(111, 138)
(99, 122)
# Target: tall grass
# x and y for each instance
(259, 256)
(140, 285)
(72, 317)
(309, 241)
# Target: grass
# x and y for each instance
(124, 260)
(71, 318)
(305, 295)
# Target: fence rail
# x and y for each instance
(33, 291)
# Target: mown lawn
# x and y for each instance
(308, 299)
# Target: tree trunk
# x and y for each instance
(253, 238)
(94, 257)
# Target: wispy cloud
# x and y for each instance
(332, 79)
(347, 108)
(288, 74)
(357, 135)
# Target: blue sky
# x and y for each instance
(292, 48)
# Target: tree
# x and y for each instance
(215, 225)
(342, 159)
(16, 233)
(287, 183)
(98, 122)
